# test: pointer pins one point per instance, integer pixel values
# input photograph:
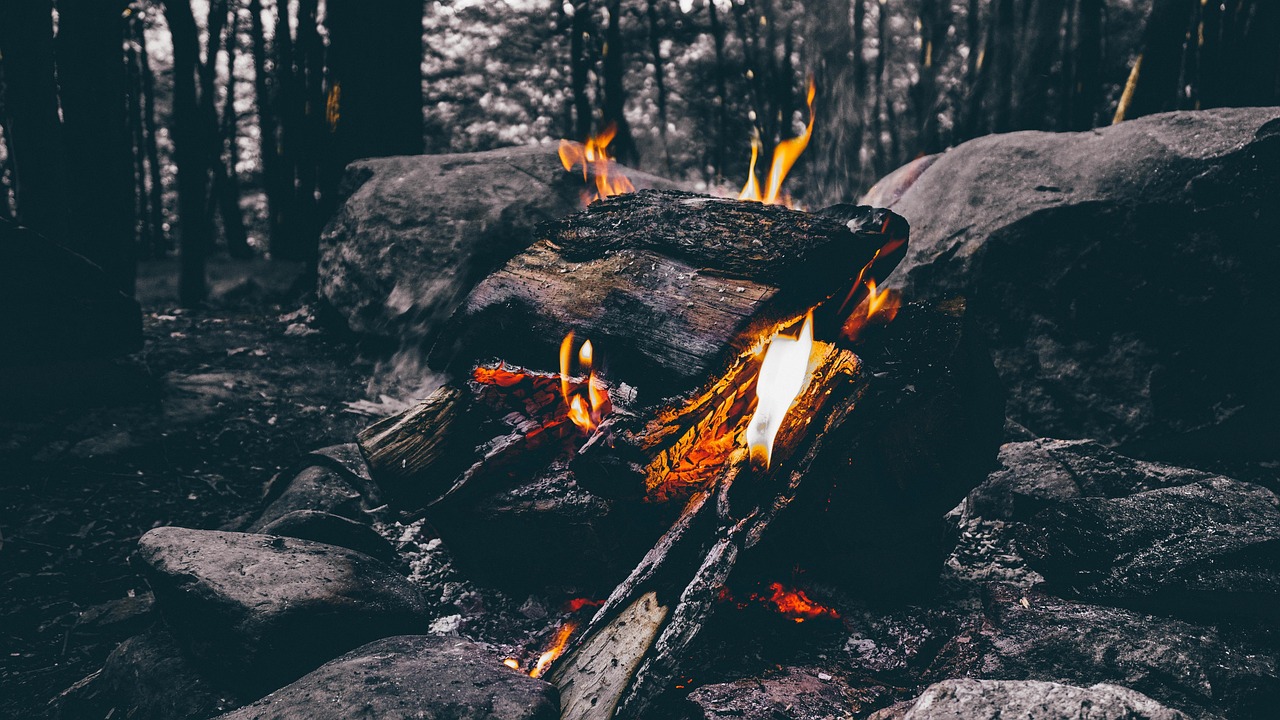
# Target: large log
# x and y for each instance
(672, 286)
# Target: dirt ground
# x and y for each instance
(185, 432)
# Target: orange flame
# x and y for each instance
(589, 406)
(782, 376)
(512, 663)
(557, 647)
(784, 156)
(593, 156)
(795, 604)
(879, 307)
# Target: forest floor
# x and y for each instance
(185, 432)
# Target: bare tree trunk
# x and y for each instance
(580, 31)
(615, 94)
(226, 180)
(882, 52)
(1086, 89)
(33, 128)
(268, 139)
(659, 80)
(935, 23)
(92, 79)
(157, 240)
(722, 93)
(310, 129)
(137, 137)
(190, 153)
(1044, 26)
(374, 105)
(1156, 81)
(1003, 65)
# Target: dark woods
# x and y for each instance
(134, 130)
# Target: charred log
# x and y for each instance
(675, 285)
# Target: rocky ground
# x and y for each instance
(1135, 574)
(186, 433)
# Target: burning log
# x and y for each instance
(904, 433)
(675, 285)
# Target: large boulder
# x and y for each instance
(1207, 549)
(1124, 277)
(261, 610)
(145, 678)
(417, 232)
(411, 677)
(1036, 474)
(790, 694)
(1198, 669)
(965, 699)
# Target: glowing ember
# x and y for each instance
(782, 377)
(577, 604)
(784, 156)
(588, 405)
(558, 644)
(512, 663)
(795, 604)
(594, 158)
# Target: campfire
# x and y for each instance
(712, 397)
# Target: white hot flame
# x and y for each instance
(782, 376)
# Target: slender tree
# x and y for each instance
(268, 138)
(1086, 66)
(1032, 75)
(1155, 80)
(158, 240)
(33, 128)
(226, 181)
(613, 69)
(659, 76)
(190, 152)
(374, 102)
(92, 79)
(580, 66)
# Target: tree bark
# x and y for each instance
(1044, 25)
(227, 180)
(613, 68)
(1157, 86)
(190, 152)
(579, 67)
(158, 240)
(659, 78)
(1086, 86)
(268, 138)
(93, 82)
(34, 130)
(374, 105)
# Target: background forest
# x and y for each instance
(223, 126)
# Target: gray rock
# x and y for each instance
(1208, 549)
(1197, 669)
(415, 233)
(792, 694)
(411, 677)
(315, 488)
(323, 527)
(1038, 473)
(964, 699)
(262, 610)
(145, 678)
(1122, 276)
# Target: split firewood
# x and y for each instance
(633, 648)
